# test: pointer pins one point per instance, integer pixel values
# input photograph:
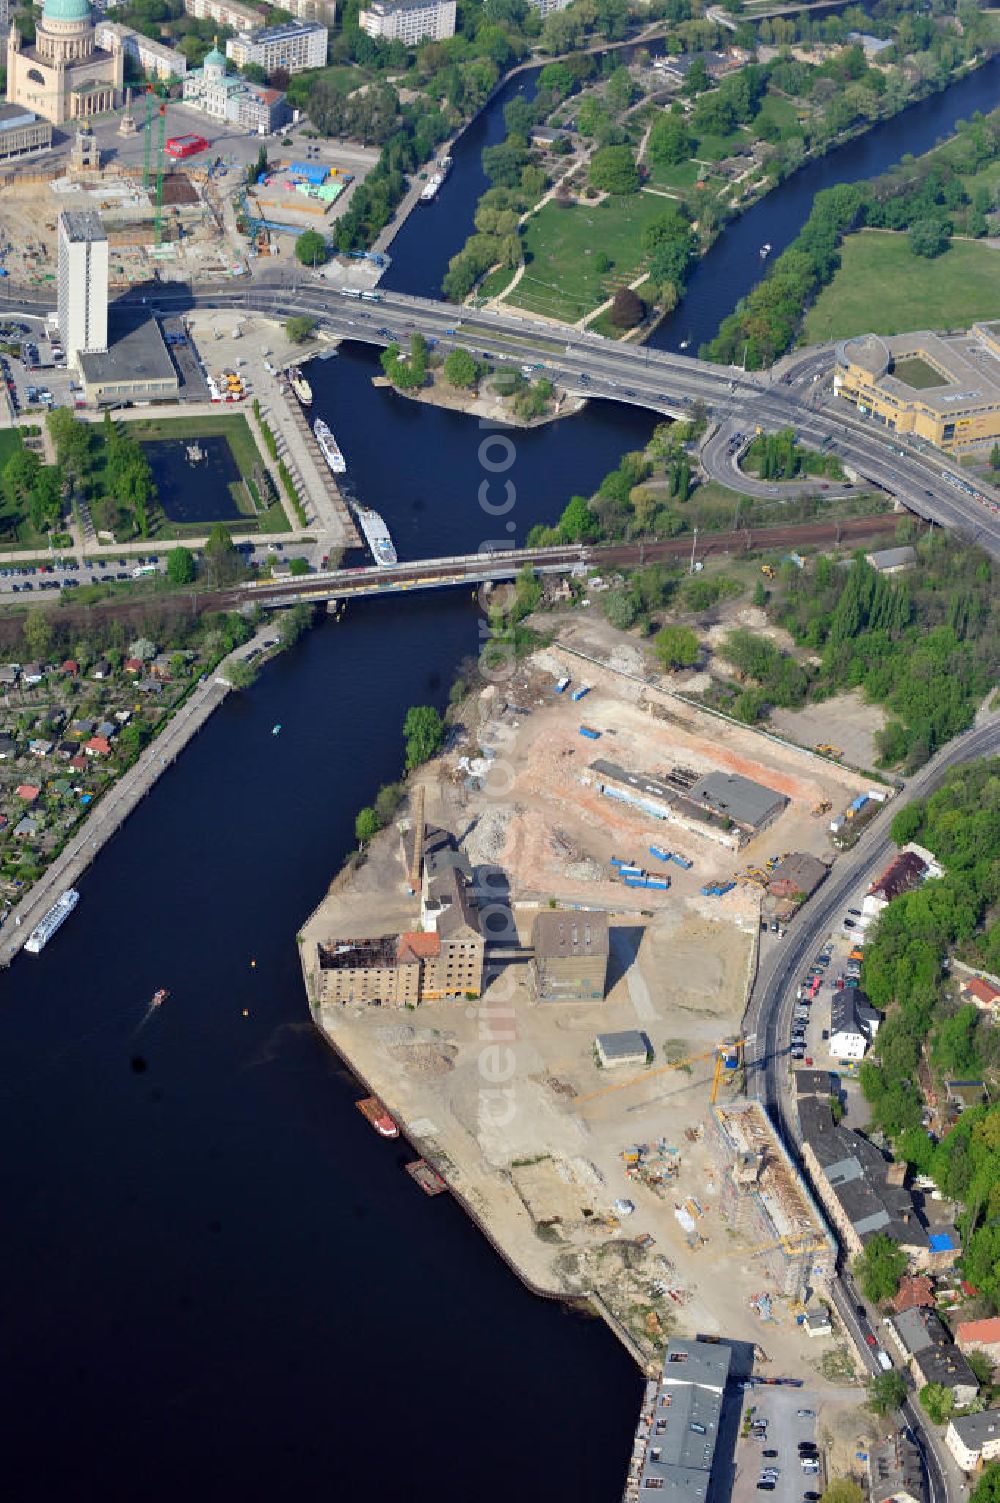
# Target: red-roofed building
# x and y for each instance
(134, 665)
(905, 872)
(98, 746)
(914, 1293)
(980, 1336)
(980, 992)
(71, 666)
(79, 763)
(28, 792)
(417, 945)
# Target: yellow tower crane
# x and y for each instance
(726, 1054)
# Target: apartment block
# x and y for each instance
(409, 21)
(294, 46)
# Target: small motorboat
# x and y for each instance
(159, 997)
(276, 729)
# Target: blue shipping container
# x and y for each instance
(659, 853)
(590, 733)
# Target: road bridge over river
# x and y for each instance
(791, 395)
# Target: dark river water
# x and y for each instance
(215, 1280)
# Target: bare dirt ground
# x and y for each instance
(505, 1096)
(844, 721)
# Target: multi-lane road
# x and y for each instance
(792, 395)
(768, 1022)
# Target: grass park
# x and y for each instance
(563, 246)
(883, 288)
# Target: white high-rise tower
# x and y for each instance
(83, 284)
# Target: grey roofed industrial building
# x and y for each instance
(136, 364)
(629, 1047)
(570, 962)
(746, 803)
(685, 1426)
(895, 1471)
(859, 1178)
(814, 1083)
(892, 560)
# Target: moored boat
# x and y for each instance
(300, 386)
(376, 535)
(427, 1177)
(54, 919)
(329, 448)
(373, 1111)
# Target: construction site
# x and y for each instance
(615, 1182)
(165, 218)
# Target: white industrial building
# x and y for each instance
(409, 21)
(294, 46)
(83, 284)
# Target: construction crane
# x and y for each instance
(148, 169)
(807, 1242)
(726, 1054)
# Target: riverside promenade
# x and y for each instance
(112, 810)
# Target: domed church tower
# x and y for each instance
(64, 76)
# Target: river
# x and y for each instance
(432, 234)
(216, 1279)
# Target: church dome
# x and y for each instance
(66, 10)
(213, 59)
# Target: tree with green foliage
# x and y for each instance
(929, 237)
(311, 248)
(180, 566)
(294, 623)
(879, 1268)
(221, 558)
(37, 633)
(987, 1489)
(460, 369)
(578, 523)
(387, 801)
(613, 170)
(423, 730)
(995, 457)
(842, 1490)
(366, 825)
(670, 141)
(677, 646)
(299, 327)
(240, 674)
(886, 1392)
(937, 1401)
(20, 475)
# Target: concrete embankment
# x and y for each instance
(113, 809)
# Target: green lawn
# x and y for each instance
(561, 279)
(684, 175)
(714, 148)
(10, 442)
(883, 288)
(781, 110)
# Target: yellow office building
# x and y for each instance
(944, 388)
